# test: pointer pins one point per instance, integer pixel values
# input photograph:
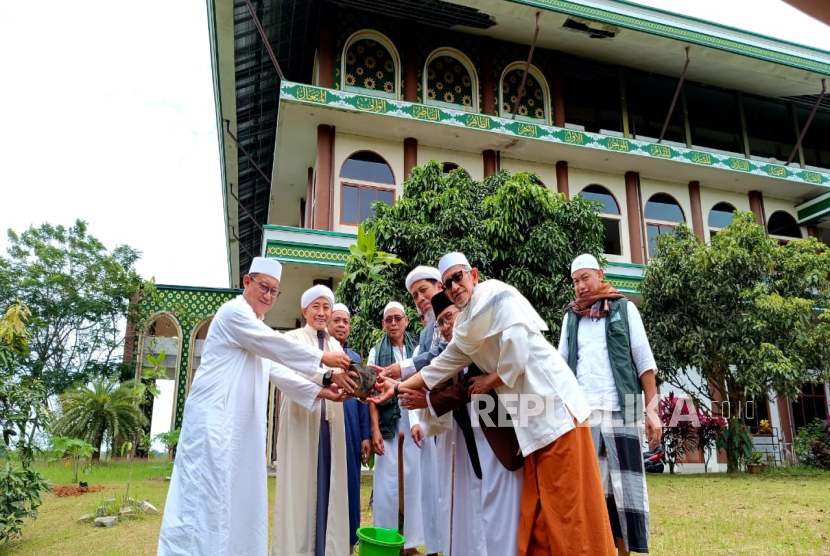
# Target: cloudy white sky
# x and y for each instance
(108, 116)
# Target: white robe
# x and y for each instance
(295, 503)
(433, 477)
(385, 484)
(218, 498)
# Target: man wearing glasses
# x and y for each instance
(499, 331)
(387, 422)
(218, 497)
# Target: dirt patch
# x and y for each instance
(63, 490)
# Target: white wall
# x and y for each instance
(546, 172)
(711, 197)
(473, 163)
(579, 179)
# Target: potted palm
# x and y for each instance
(754, 465)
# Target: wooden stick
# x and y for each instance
(401, 439)
(452, 493)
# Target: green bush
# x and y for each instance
(812, 445)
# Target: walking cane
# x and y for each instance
(400, 487)
(452, 494)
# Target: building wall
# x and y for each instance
(546, 172)
(772, 205)
(473, 163)
(579, 179)
(711, 197)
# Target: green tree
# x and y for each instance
(103, 410)
(79, 294)
(740, 316)
(73, 449)
(510, 226)
(21, 407)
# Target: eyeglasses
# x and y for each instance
(265, 290)
(456, 277)
(447, 319)
(395, 318)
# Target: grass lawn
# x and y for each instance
(714, 514)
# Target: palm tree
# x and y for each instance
(103, 409)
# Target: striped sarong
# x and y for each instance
(620, 455)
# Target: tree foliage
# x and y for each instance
(21, 407)
(78, 293)
(510, 227)
(104, 410)
(741, 315)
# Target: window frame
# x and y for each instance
(714, 229)
(783, 240)
(359, 186)
(660, 223)
(611, 216)
(546, 101)
(369, 34)
(345, 160)
(468, 64)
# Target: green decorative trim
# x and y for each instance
(188, 307)
(818, 208)
(306, 94)
(677, 33)
(309, 231)
(627, 265)
(307, 254)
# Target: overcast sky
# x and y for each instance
(108, 116)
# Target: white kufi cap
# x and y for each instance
(315, 293)
(271, 267)
(393, 305)
(422, 273)
(450, 260)
(341, 307)
(584, 261)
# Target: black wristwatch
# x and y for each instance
(397, 384)
(327, 378)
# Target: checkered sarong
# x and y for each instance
(623, 476)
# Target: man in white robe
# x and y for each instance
(218, 499)
(311, 507)
(396, 345)
(485, 501)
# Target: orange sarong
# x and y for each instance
(563, 504)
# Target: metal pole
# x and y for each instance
(674, 100)
(248, 156)
(247, 213)
(239, 241)
(527, 67)
(265, 39)
(809, 120)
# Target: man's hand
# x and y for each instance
(392, 371)
(365, 451)
(483, 383)
(333, 393)
(412, 399)
(654, 429)
(386, 390)
(343, 379)
(377, 443)
(336, 359)
(417, 435)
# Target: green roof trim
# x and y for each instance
(309, 231)
(353, 102)
(165, 287)
(677, 33)
(814, 210)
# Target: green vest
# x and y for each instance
(618, 339)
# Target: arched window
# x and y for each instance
(452, 167)
(611, 219)
(360, 176)
(720, 217)
(371, 65)
(533, 106)
(197, 345)
(662, 214)
(450, 81)
(783, 227)
(162, 333)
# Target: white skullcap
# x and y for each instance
(341, 307)
(271, 267)
(584, 261)
(393, 305)
(450, 260)
(316, 292)
(422, 273)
